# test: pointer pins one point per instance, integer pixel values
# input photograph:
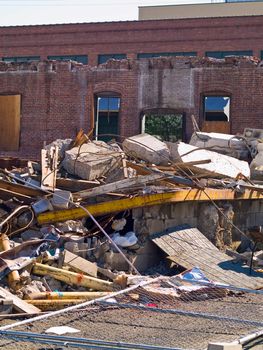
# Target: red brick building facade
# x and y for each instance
(198, 36)
(55, 99)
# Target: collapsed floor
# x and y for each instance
(93, 216)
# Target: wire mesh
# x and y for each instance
(166, 312)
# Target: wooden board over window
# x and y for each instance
(216, 126)
(9, 122)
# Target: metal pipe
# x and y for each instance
(80, 341)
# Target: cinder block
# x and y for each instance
(224, 346)
(155, 225)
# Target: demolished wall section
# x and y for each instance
(215, 226)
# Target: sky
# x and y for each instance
(24, 12)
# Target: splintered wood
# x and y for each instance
(49, 161)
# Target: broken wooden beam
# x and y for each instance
(69, 277)
(171, 179)
(51, 305)
(78, 264)
(49, 164)
(13, 277)
(135, 182)
(18, 304)
(180, 195)
(66, 295)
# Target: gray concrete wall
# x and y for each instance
(204, 216)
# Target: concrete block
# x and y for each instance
(220, 165)
(148, 148)
(155, 225)
(92, 160)
(224, 346)
(63, 146)
(180, 220)
(145, 257)
(61, 199)
(259, 219)
(137, 213)
(221, 143)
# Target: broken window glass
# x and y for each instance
(217, 108)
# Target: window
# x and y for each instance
(223, 54)
(21, 59)
(105, 58)
(165, 54)
(166, 126)
(10, 122)
(107, 117)
(217, 108)
(78, 58)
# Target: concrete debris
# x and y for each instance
(62, 145)
(230, 145)
(92, 160)
(83, 221)
(147, 148)
(220, 165)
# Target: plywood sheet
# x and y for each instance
(9, 122)
(216, 126)
(188, 247)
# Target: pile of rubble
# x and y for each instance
(67, 233)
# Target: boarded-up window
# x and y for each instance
(9, 122)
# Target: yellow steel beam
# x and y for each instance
(181, 195)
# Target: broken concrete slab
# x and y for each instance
(92, 160)
(256, 166)
(62, 144)
(220, 166)
(147, 148)
(222, 143)
(61, 199)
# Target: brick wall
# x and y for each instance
(57, 97)
(132, 37)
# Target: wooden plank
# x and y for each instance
(75, 185)
(188, 248)
(19, 304)
(49, 164)
(13, 277)
(136, 182)
(78, 264)
(181, 195)
(10, 122)
(216, 126)
(20, 189)
(67, 295)
(72, 277)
